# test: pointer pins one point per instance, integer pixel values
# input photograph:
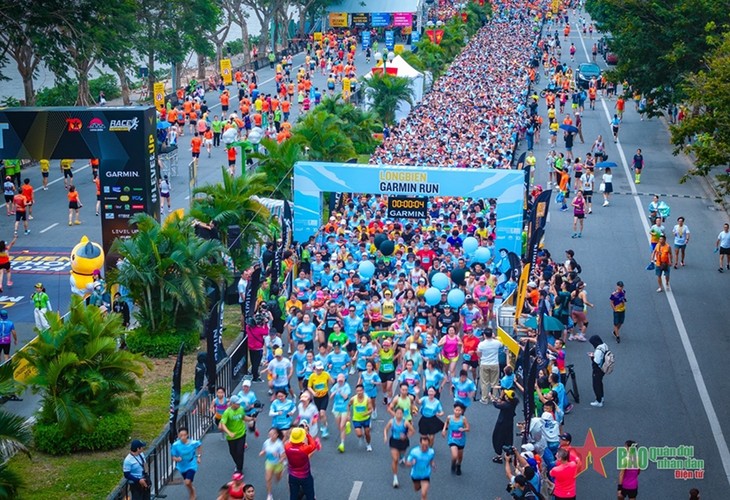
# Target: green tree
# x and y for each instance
(79, 370)
(432, 57)
(386, 93)
(277, 164)
(358, 124)
(705, 132)
(233, 202)
(166, 268)
(15, 437)
(322, 133)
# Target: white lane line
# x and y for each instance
(355, 492)
(75, 171)
(49, 227)
(694, 366)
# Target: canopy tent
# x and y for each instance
(407, 71)
(275, 207)
(374, 6)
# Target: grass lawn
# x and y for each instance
(95, 475)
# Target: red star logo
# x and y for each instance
(590, 451)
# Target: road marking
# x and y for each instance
(694, 366)
(355, 492)
(49, 227)
(75, 171)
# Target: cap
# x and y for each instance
(319, 365)
(620, 283)
(235, 400)
(96, 272)
(298, 435)
(237, 476)
(570, 252)
(3, 314)
(137, 445)
(336, 343)
(413, 345)
(532, 284)
(246, 383)
(566, 437)
(278, 352)
(39, 285)
(509, 394)
(528, 447)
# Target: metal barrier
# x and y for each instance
(196, 418)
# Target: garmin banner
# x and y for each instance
(311, 179)
(406, 207)
(123, 139)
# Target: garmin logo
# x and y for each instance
(122, 174)
(123, 125)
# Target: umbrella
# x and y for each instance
(162, 125)
(551, 324)
(569, 128)
(606, 164)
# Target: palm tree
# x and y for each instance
(79, 369)
(277, 164)
(357, 124)
(432, 57)
(15, 437)
(387, 92)
(233, 203)
(166, 268)
(323, 134)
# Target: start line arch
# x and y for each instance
(312, 179)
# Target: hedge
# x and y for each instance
(111, 432)
(161, 345)
(64, 93)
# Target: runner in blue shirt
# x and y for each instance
(455, 430)
(370, 381)
(186, 453)
(433, 377)
(420, 459)
(464, 389)
(365, 353)
(337, 361)
(341, 393)
(282, 411)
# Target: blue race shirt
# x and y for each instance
(430, 408)
(462, 390)
(341, 395)
(421, 469)
(433, 378)
(305, 332)
(369, 381)
(6, 327)
(454, 434)
(336, 363)
(364, 352)
(186, 451)
(284, 420)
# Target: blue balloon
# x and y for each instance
(432, 296)
(366, 269)
(456, 298)
(440, 281)
(470, 245)
(482, 255)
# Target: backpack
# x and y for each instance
(609, 360)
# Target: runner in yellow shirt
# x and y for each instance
(45, 171)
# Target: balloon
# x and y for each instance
(455, 298)
(458, 276)
(379, 239)
(482, 254)
(440, 281)
(470, 245)
(387, 247)
(366, 269)
(432, 296)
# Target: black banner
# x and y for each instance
(538, 215)
(515, 265)
(522, 165)
(175, 394)
(286, 233)
(239, 359)
(360, 19)
(252, 290)
(407, 207)
(213, 326)
(123, 139)
(533, 245)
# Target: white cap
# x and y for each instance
(246, 383)
(414, 345)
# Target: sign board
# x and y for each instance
(390, 70)
(124, 140)
(402, 19)
(399, 48)
(159, 95)
(379, 19)
(407, 207)
(317, 36)
(311, 179)
(338, 20)
(360, 20)
(226, 71)
(415, 37)
(365, 39)
(390, 39)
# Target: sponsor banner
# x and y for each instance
(366, 39)
(317, 36)
(159, 95)
(175, 393)
(379, 19)
(415, 37)
(407, 207)
(401, 19)
(390, 39)
(338, 20)
(435, 36)
(227, 71)
(360, 20)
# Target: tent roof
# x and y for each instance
(404, 69)
(370, 6)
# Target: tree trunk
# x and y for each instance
(83, 97)
(246, 43)
(179, 69)
(201, 67)
(124, 85)
(151, 72)
(26, 63)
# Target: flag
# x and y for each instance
(533, 246)
(538, 214)
(252, 290)
(213, 328)
(175, 393)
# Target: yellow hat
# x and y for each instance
(509, 394)
(297, 435)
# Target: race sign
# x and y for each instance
(226, 71)
(159, 95)
(407, 207)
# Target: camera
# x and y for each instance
(508, 450)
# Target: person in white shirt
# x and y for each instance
(681, 238)
(488, 350)
(723, 245)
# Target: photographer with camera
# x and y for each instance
(523, 465)
(503, 433)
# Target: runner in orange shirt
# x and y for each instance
(225, 100)
(74, 204)
(231, 160)
(97, 182)
(239, 78)
(94, 162)
(187, 107)
(28, 192)
(208, 140)
(195, 144)
(286, 108)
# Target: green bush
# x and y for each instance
(110, 432)
(106, 82)
(64, 93)
(161, 345)
(234, 46)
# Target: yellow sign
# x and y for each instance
(159, 94)
(226, 71)
(338, 20)
(317, 36)
(399, 48)
(508, 341)
(23, 371)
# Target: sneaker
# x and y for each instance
(572, 337)
(590, 211)
(70, 223)
(659, 290)
(453, 466)
(569, 408)
(574, 235)
(369, 448)
(564, 209)
(341, 448)
(484, 401)
(618, 339)
(77, 222)
(256, 433)
(581, 338)
(30, 217)
(375, 414)
(27, 231)
(352, 370)
(580, 235)
(269, 497)
(458, 469)
(325, 432)
(10, 283)
(597, 404)
(348, 427)
(395, 482)
(720, 270)
(605, 204)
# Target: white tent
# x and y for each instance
(407, 71)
